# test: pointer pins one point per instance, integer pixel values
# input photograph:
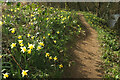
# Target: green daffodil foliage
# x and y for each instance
(34, 40)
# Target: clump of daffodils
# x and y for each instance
(24, 73)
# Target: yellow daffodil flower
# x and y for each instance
(21, 44)
(51, 7)
(41, 43)
(54, 41)
(31, 23)
(12, 30)
(18, 8)
(8, 15)
(60, 66)
(32, 37)
(50, 57)
(24, 73)
(11, 10)
(0, 56)
(3, 16)
(13, 45)
(11, 16)
(5, 75)
(19, 37)
(55, 58)
(39, 47)
(58, 32)
(20, 41)
(32, 15)
(47, 18)
(34, 19)
(28, 35)
(43, 37)
(48, 34)
(47, 55)
(31, 46)
(1, 23)
(14, 10)
(29, 51)
(23, 49)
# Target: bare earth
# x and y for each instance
(86, 55)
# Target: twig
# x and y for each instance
(14, 60)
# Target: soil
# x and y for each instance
(86, 55)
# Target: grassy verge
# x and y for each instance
(34, 40)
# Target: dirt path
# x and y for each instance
(86, 55)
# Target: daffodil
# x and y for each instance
(39, 47)
(34, 19)
(23, 49)
(20, 41)
(47, 18)
(31, 46)
(41, 43)
(68, 17)
(24, 73)
(29, 51)
(32, 15)
(11, 10)
(3, 16)
(50, 57)
(47, 55)
(13, 45)
(60, 66)
(14, 10)
(18, 8)
(43, 37)
(5, 75)
(28, 35)
(31, 23)
(55, 58)
(11, 16)
(1, 23)
(58, 32)
(32, 37)
(21, 44)
(8, 15)
(0, 56)
(48, 34)
(12, 30)
(19, 37)
(51, 7)
(28, 44)
(54, 41)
